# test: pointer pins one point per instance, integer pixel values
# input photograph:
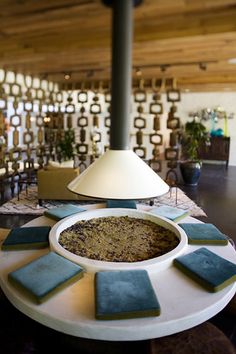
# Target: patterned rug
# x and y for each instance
(28, 203)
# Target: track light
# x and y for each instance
(164, 67)
(203, 66)
(138, 72)
(67, 76)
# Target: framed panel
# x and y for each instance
(82, 148)
(15, 90)
(173, 95)
(39, 121)
(156, 108)
(95, 108)
(28, 106)
(70, 108)
(40, 94)
(28, 137)
(171, 153)
(140, 151)
(156, 165)
(140, 96)
(82, 96)
(82, 122)
(15, 120)
(140, 123)
(156, 139)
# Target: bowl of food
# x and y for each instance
(118, 239)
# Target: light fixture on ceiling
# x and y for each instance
(138, 71)
(163, 67)
(90, 73)
(67, 76)
(232, 61)
(203, 66)
(119, 173)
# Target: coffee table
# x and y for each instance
(184, 304)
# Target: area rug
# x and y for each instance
(28, 203)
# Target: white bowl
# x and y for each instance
(90, 265)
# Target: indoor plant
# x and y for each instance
(193, 136)
(65, 147)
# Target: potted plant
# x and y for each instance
(193, 136)
(65, 147)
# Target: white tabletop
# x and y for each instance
(184, 304)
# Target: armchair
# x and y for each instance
(52, 183)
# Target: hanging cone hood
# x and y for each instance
(120, 173)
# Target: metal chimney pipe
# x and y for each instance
(122, 35)
(122, 38)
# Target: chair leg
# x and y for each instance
(12, 189)
(40, 202)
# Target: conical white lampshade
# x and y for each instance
(119, 174)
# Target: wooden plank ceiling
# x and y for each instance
(188, 40)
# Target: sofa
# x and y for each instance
(52, 183)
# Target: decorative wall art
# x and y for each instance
(37, 119)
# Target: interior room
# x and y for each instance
(117, 108)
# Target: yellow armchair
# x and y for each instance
(52, 183)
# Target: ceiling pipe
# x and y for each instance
(122, 35)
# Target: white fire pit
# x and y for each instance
(90, 265)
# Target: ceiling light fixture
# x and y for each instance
(163, 67)
(232, 61)
(119, 173)
(203, 66)
(90, 73)
(67, 76)
(138, 72)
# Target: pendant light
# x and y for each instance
(119, 173)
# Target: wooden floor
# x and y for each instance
(216, 194)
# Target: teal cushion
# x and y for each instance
(62, 212)
(130, 204)
(207, 268)
(42, 276)
(125, 294)
(27, 238)
(199, 233)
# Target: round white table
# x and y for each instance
(184, 303)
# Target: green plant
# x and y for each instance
(194, 135)
(66, 146)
